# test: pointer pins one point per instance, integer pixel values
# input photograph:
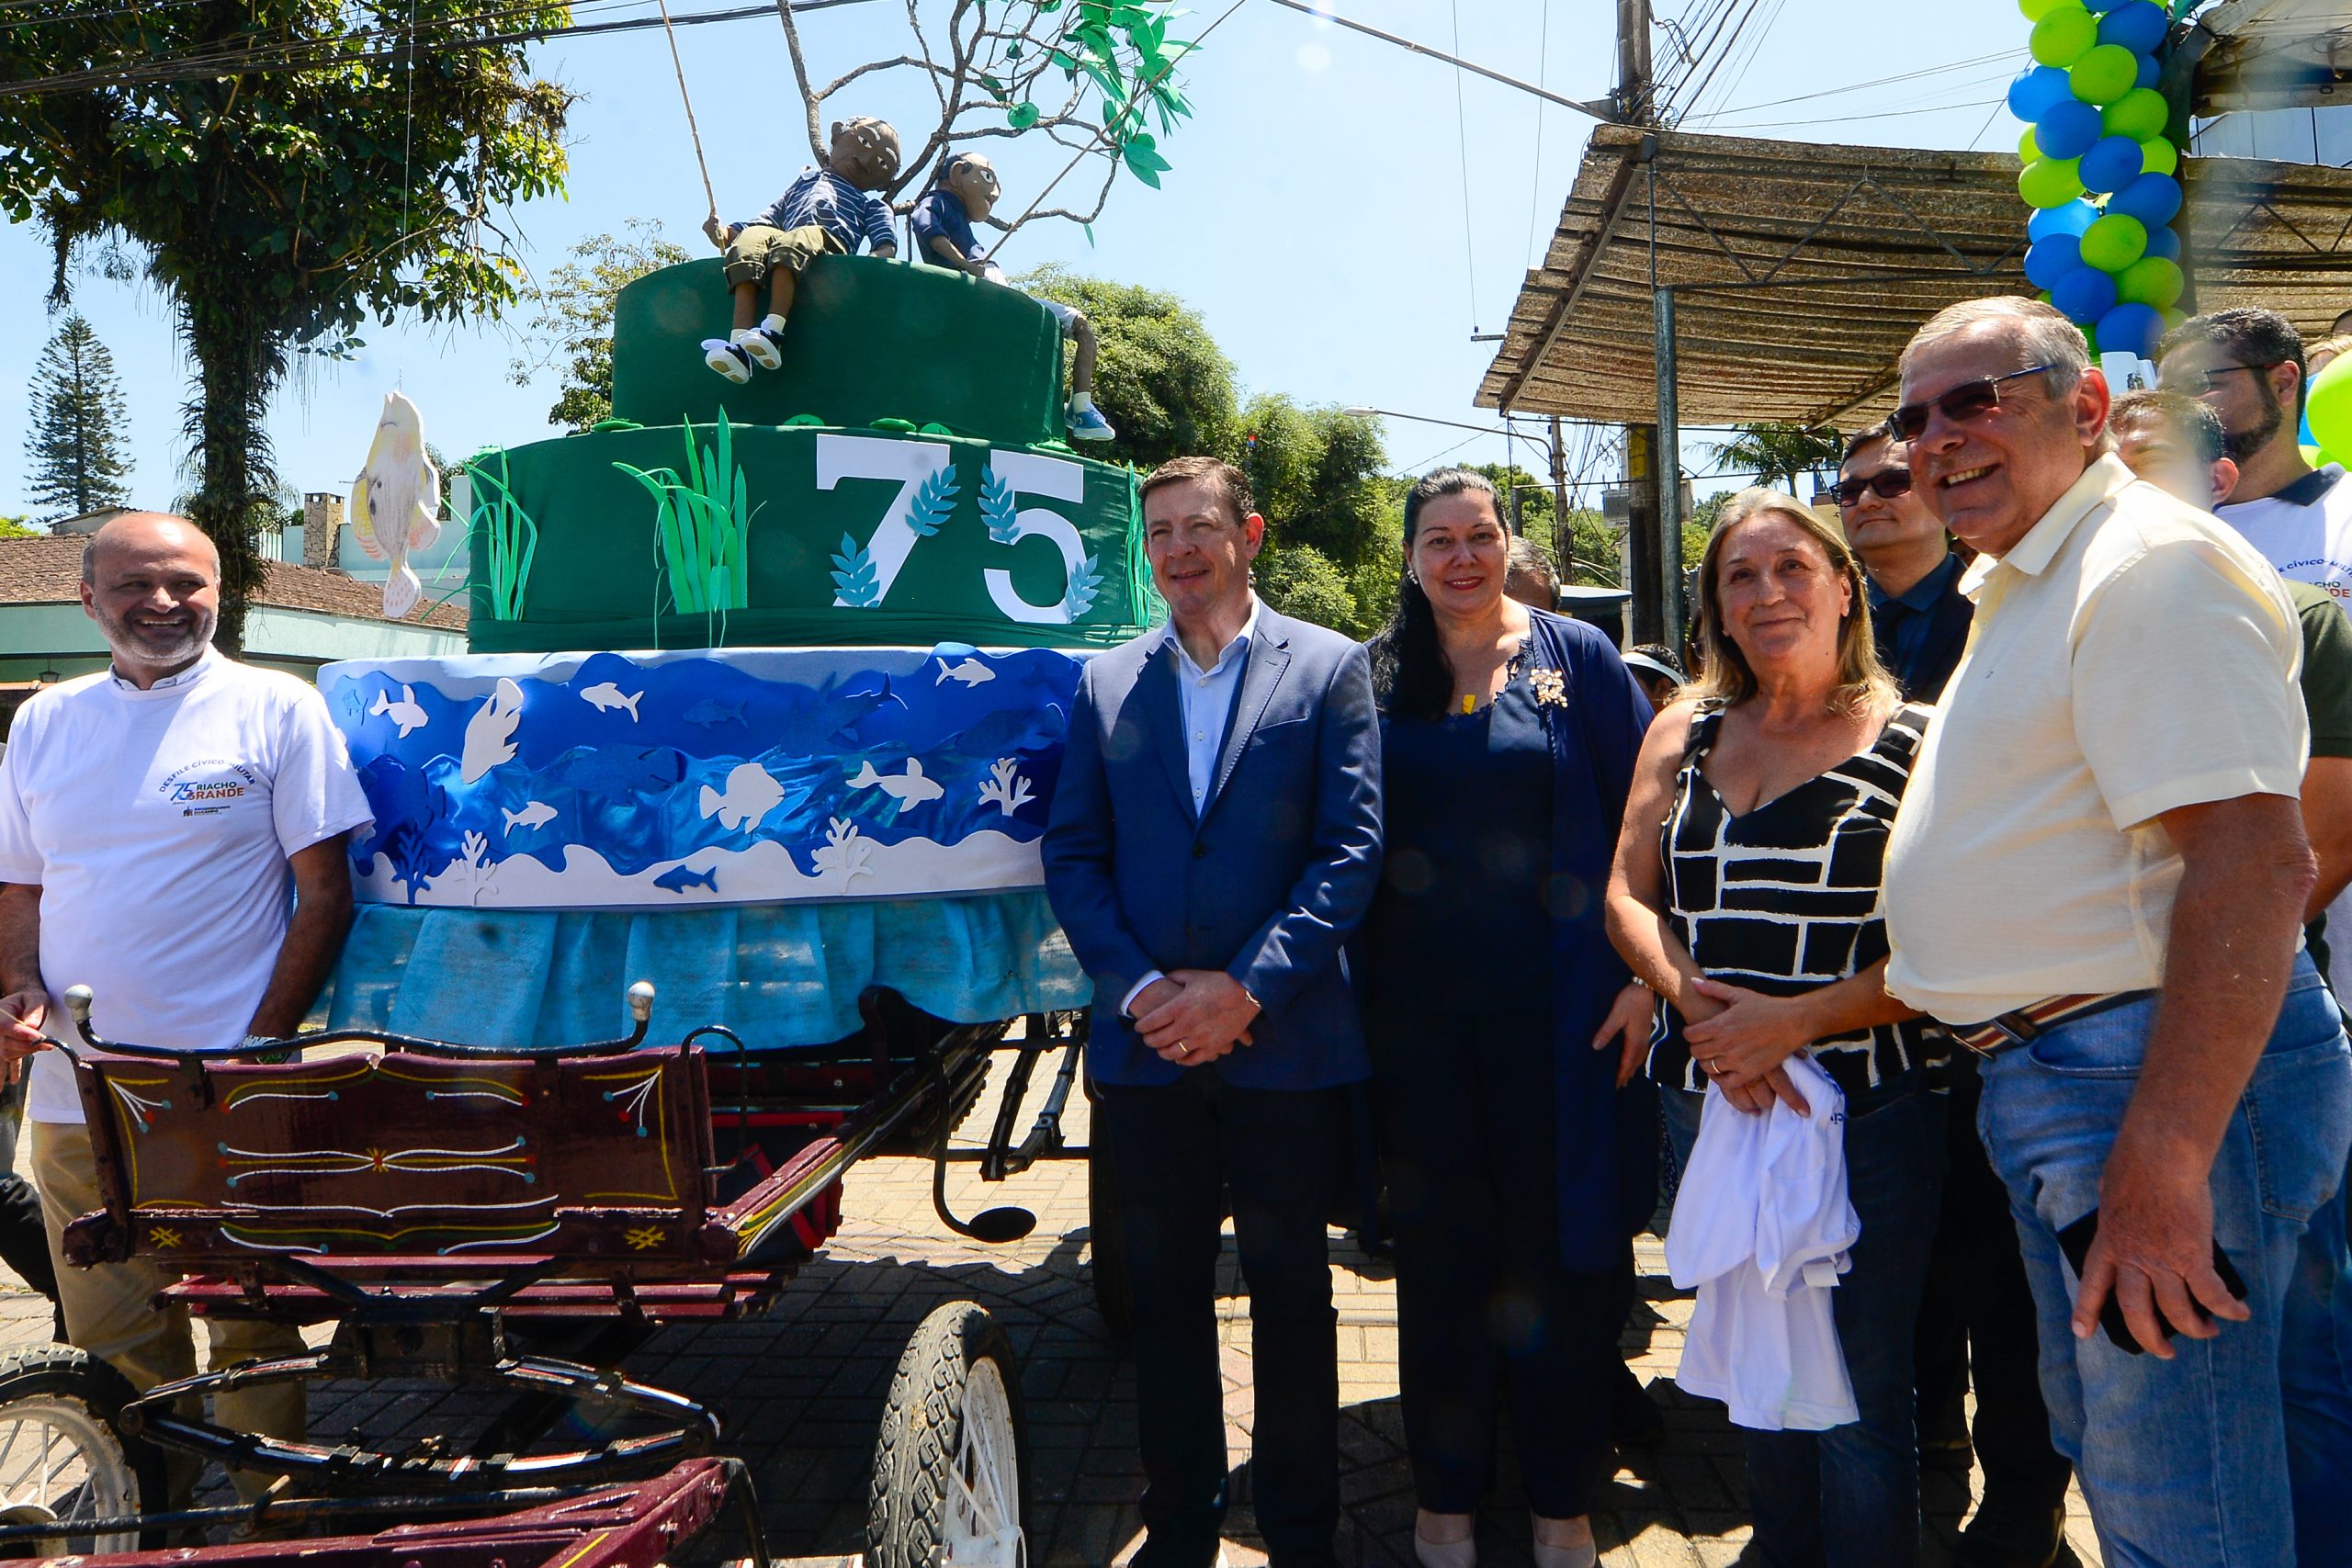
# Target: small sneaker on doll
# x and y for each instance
(964, 194)
(825, 211)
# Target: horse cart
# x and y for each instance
(514, 1223)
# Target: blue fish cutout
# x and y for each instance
(620, 769)
(708, 714)
(677, 879)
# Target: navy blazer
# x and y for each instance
(1265, 885)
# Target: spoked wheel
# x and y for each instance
(61, 1459)
(946, 1489)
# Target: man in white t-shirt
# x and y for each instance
(2248, 367)
(172, 835)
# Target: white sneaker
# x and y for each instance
(728, 358)
(764, 343)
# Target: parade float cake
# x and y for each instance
(768, 683)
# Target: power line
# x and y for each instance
(1543, 69)
(1462, 146)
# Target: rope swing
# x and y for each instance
(692, 130)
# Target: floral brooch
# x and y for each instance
(1550, 690)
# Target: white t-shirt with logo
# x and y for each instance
(157, 825)
(2304, 530)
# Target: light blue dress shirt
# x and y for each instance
(1204, 701)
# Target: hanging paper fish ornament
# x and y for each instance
(396, 501)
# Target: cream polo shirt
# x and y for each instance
(2130, 656)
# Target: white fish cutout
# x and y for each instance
(489, 734)
(535, 813)
(396, 500)
(911, 787)
(750, 793)
(404, 712)
(607, 696)
(971, 672)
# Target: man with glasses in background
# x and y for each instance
(2096, 881)
(1976, 1315)
(2248, 366)
(1917, 612)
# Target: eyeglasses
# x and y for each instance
(2197, 383)
(1886, 483)
(1970, 399)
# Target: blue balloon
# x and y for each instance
(2068, 128)
(2034, 91)
(2110, 164)
(2149, 72)
(2095, 6)
(2154, 199)
(2132, 329)
(2163, 241)
(2084, 294)
(2049, 260)
(2138, 24)
(2073, 217)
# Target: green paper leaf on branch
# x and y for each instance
(1022, 117)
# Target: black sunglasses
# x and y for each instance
(1970, 399)
(1887, 483)
(2197, 383)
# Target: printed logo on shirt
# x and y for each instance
(2320, 573)
(208, 787)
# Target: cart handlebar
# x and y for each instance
(79, 999)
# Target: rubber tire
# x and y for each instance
(921, 1427)
(60, 1371)
(1107, 1238)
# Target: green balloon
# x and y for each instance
(2050, 182)
(2329, 403)
(2114, 243)
(2174, 317)
(2104, 75)
(2138, 114)
(2159, 156)
(2064, 34)
(2036, 9)
(2028, 148)
(2150, 280)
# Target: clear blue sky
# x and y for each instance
(1315, 215)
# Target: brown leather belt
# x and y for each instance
(2019, 1028)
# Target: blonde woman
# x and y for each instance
(1745, 893)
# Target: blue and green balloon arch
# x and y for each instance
(2102, 176)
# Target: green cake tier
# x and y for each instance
(868, 340)
(895, 483)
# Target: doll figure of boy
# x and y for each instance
(825, 211)
(964, 194)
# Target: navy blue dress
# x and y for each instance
(1486, 969)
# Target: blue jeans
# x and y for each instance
(1851, 1496)
(2237, 1451)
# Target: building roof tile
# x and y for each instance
(47, 569)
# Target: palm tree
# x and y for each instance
(1779, 452)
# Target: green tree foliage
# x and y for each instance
(284, 168)
(75, 443)
(18, 527)
(1161, 378)
(1316, 469)
(572, 318)
(1777, 454)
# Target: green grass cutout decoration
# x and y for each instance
(702, 521)
(506, 538)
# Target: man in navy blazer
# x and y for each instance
(1214, 839)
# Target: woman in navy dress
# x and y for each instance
(1491, 993)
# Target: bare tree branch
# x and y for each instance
(838, 83)
(809, 100)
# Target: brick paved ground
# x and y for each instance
(802, 1391)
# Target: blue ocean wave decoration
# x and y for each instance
(683, 775)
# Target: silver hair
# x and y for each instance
(2049, 338)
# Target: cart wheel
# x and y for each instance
(1108, 1239)
(60, 1459)
(946, 1489)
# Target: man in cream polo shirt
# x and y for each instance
(2099, 876)
(172, 835)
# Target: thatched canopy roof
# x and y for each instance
(1801, 269)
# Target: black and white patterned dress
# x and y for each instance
(1789, 896)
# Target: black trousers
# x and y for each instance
(1176, 1149)
(1977, 1323)
(1469, 1145)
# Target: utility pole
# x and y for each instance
(1561, 541)
(1645, 571)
